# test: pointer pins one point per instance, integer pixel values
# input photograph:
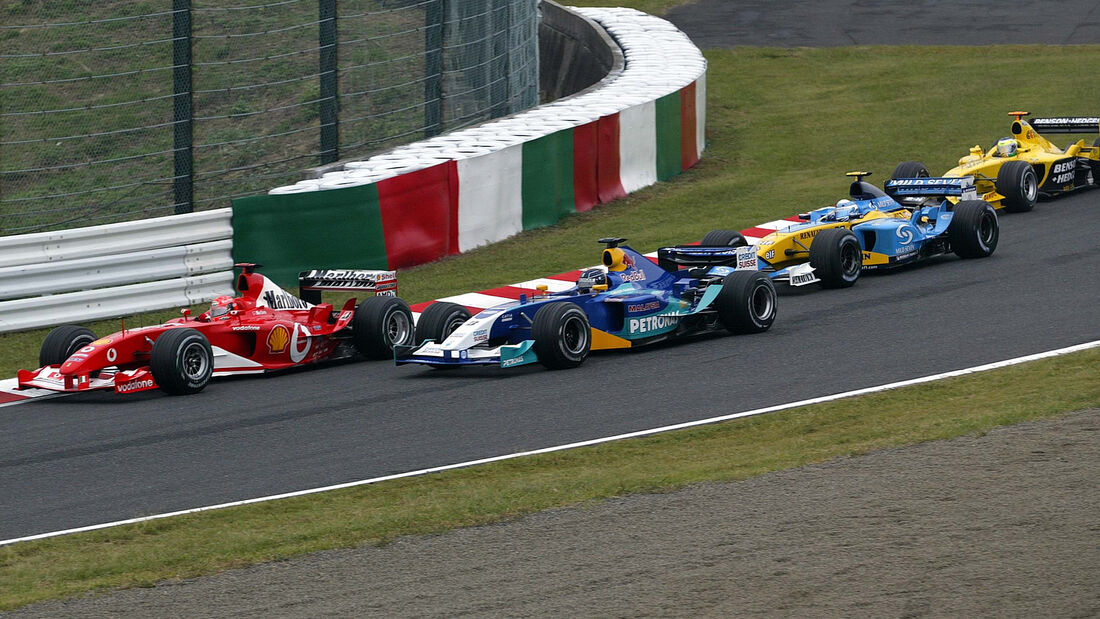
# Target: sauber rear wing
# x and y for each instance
(672, 258)
(963, 187)
(311, 283)
(1066, 124)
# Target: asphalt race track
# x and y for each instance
(99, 457)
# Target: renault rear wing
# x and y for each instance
(962, 187)
(1066, 124)
(311, 283)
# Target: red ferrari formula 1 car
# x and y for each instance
(263, 329)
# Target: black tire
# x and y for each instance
(974, 229)
(181, 361)
(747, 302)
(439, 320)
(62, 342)
(723, 238)
(562, 335)
(1018, 184)
(910, 169)
(836, 257)
(380, 323)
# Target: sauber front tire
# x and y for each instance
(747, 302)
(562, 335)
(439, 320)
(181, 361)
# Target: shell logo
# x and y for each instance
(278, 339)
(101, 341)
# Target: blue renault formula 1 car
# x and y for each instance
(627, 302)
(874, 229)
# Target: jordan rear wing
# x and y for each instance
(962, 187)
(1066, 124)
(311, 283)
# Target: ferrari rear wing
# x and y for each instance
(1066, 124)
(963, 187)
(672, 258)
(311, 283)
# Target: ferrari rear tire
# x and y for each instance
(181, 361)
(439, 320)
(62, 342)
(380, 323)
(910, 169)
(747, 302)
(1017, 182)
(974, 229)
(836, 257)
(723, 238)
(562, 335)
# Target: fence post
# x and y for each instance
(330, 120)
(183, 183)
(433, 68)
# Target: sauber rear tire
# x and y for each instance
(910, 169)
(1016, 181)
(836, 257)
(379, 324)
(439, 320)
(562, 335)
(723, 238)
(62, 342)
(974, 229)
(181, 361)
(747, 302)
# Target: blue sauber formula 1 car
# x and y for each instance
(628, 302)
(876, 229)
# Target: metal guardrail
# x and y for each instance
(114, 270)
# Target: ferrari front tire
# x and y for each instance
(439, 320)
(723, 238)
(974, 229)
(747, 302)
(836, 257)
(562, 335)
(182, 361)
(62, 342)
(1016, 181)
(380, 323)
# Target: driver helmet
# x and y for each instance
(845, 208)
(1007, 147)
(594, 276)
(221, 306)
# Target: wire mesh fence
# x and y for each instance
(119, 110)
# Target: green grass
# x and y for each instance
(783, 127)
(186, 547)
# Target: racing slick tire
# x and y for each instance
(562, 335)
(723, 238)
(910, 169)
(439, 320)
(974, 229)
(62, 342)
(181, 361)
(1016, 181)
(836, 257)
(379, 324)
(747, 302)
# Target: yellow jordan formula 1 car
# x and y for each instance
(1014, 172)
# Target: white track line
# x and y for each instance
(595, 441)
